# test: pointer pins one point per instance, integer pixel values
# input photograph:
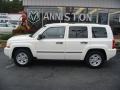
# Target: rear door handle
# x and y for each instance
(59, 42)
(84, 42)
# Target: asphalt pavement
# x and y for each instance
(59, 75)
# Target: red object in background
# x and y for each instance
(24, 20)
(24, 16)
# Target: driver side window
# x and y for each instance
(54, 32)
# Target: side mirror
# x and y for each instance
(40, 37)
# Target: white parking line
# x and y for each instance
(10, 66)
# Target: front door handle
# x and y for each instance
(84, 42)
(59, 42)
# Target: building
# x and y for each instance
(41, 12)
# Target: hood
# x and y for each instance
(20, 38)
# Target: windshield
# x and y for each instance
(37, 32)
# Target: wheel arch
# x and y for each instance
(25, 48)
(96, 49)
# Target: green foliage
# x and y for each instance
(22, 28)
(3, 41)
(5, 36)
(10, 6)
(118, 44)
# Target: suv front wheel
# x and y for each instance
(22, 57)
(95, 59)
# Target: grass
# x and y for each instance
(3, 43)
(3, 39)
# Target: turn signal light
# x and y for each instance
(8, 46)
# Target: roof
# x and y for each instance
(65, 24)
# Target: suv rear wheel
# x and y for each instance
(22, 57)
(95, 59)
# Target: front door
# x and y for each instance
(52, 45)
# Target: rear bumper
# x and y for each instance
(111, 53)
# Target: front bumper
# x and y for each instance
(8, 52)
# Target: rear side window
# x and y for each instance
(78, 32)
(99, 32)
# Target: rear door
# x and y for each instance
(76, 42)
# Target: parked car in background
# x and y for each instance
(6, 28)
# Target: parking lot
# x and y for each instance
(59, 75)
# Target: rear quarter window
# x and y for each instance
(99, 32)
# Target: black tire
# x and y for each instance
(94, 56)
(26, 59)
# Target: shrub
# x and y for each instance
(5, 36)
(21, 28)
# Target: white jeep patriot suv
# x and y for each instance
(92, 43)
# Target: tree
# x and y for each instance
(10, 6)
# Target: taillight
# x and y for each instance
(113, 44)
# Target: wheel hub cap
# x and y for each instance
(22, 58)
(95, 60)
